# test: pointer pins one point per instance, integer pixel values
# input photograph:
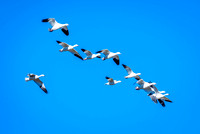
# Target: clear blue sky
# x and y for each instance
(159, 39)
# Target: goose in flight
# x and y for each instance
(109, 55)
(131, 73)
(146, 86)
(36, 79)
(157, 95)
(55, 25)
(69, 48)
(90, 55)
(111, 81)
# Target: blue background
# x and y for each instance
(159, 39)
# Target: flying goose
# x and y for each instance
(147, 87)
(69, 48)
(131, 73)
(36, 79)
(90, 55)
(109, 55)
(55, 25)
(157, 95)
(111, 81)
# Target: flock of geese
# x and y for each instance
(148, 87)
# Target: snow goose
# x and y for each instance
(69, 48)
(90, 55)
(109, 55)
(131, 73)
(55, 25)
(36, 79)
(157, 95)
(111, 81)
(145, 86)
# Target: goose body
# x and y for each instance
(67, 47)
(111, 81)
(147, 87)
(36, 79)
(90, 55)
(157, 95)
(55, 25)
(109, 55)
(131, 74)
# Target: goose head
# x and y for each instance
(42, 75)
(118, 53)
(50, 30)
(137, 88)
(76, 45)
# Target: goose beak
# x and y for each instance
(50, 30)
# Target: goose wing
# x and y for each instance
(106, 52)
(65, 30)
(52, 21)
(154, 88)
(161, 102)
(88, 53)
(153, 98)
(128, 69)
(62, 44)
(116, 59)
(110, 79)
(141, 81)
(41, 85)
(166, 99)
(73, 51)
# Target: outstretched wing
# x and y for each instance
(88, 53)
(141, 81)
(104, 51)
(110, 79)
(41, 85)
(116, 59)
(166, 99)
(52, 21)
(161, 102)
(65, 30)
(128, 69)
(73, 51)
(62, 43)
(154, 88)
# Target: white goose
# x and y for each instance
(90, 55)
(36, 79)
(157, 95)
(69, 48)
(131, 73)
(147, 87)
(55, 25)
(109, 55)
(111, 81)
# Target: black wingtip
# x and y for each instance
(161, 102)
(78, 56)
(107, 77)
(45, 20)
(124, 65)
(116, 61)
(137, 78)
(58, 41)
(83, 50)
(98, 51)
(66, 32)
(98, 56)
